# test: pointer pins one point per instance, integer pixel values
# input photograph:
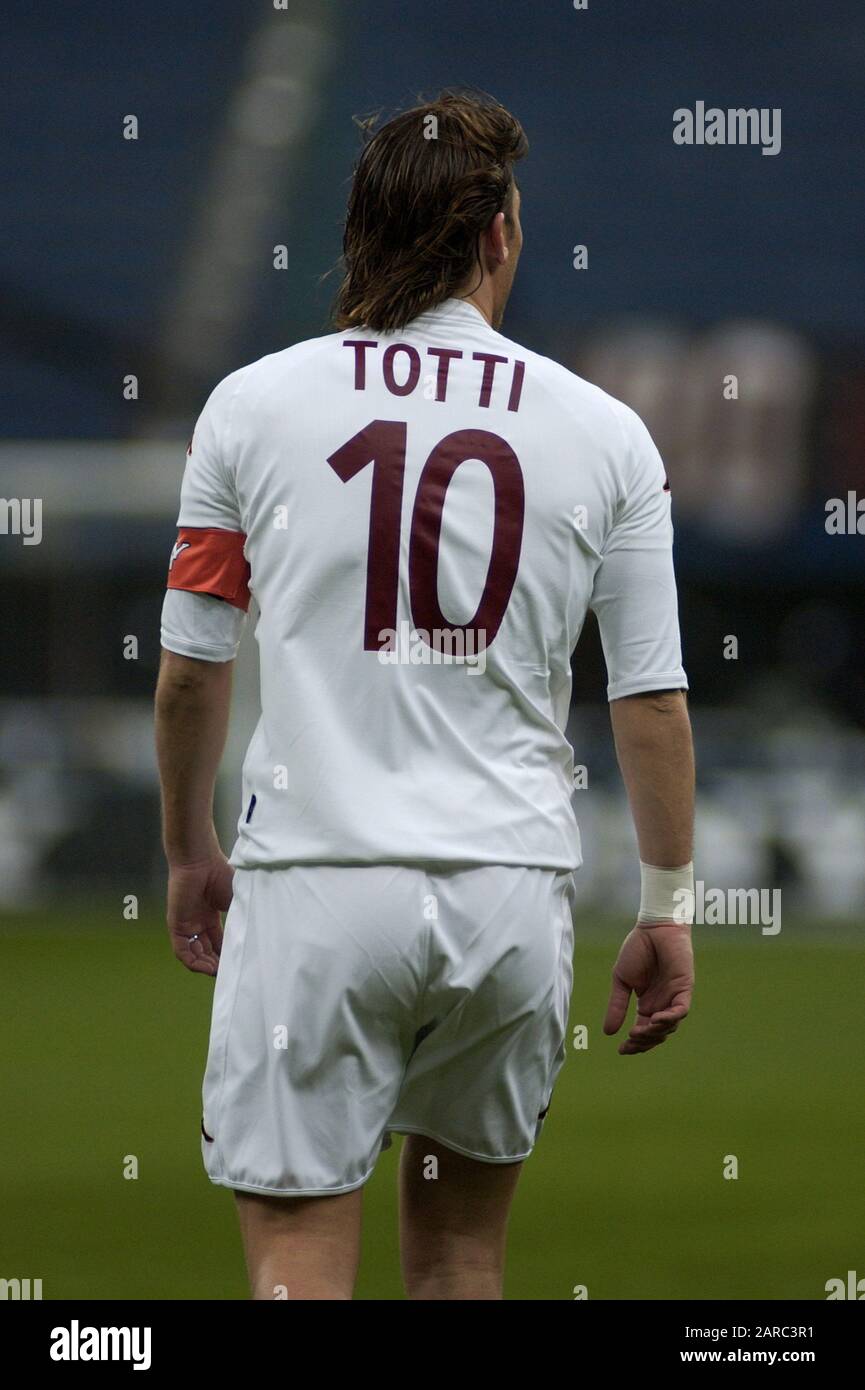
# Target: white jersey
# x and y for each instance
(424, 519)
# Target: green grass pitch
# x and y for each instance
(104, 1045)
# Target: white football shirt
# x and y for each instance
(424, 519)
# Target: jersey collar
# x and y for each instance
(454, 309)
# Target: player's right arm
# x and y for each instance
(634, 599)
(202, 620)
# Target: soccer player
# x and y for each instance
(424, 511)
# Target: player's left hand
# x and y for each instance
(657, 964)
(197, 893)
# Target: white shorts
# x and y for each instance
(352, 1001)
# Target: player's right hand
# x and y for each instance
(657, 964)
(197, 893)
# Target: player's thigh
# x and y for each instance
(306, 1238)
(266, 1220)
(447, 1198)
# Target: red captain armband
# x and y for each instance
(208, 561)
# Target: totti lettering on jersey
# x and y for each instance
(401, 366)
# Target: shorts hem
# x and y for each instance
(291, 1191)
(457, 1148)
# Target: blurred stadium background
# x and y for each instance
(138, 271)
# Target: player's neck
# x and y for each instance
(483, 300)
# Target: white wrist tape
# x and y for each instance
(666, 895)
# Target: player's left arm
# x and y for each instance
(634, 598)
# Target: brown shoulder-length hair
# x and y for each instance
(427, 183)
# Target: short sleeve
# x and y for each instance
(208, 574)
(634, 594)
(201, 626)
(208, 556)
(208, 496)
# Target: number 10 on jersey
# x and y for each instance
(382, 443)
